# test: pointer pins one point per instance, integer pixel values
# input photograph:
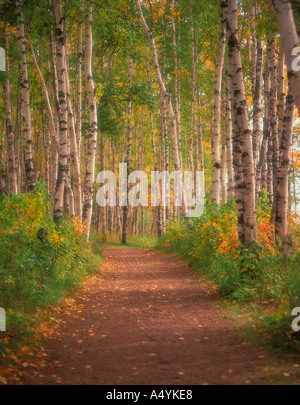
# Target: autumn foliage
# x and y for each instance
(40, 262)
(261, 275)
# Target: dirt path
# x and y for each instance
(146, 320)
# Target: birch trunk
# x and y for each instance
(223, 170)
(201, 147)
(248, 234)
(163, 89)
(228, 118)
(273, 120)
(262, 158)
(64, 157)
(93, 124)
(129, 148)
(280, 93)
(193, 130)
(73, 148)
(11, 159)
(270, 169)
(52, 128)
(79, 88)
(238, 180)
(215, 139)
(177, 96)
(289, 40)
(254, 16)
(257, 101)
(155, 158)
(24, 83)
(281, 222)
(102, 159)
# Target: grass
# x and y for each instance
(133, 241)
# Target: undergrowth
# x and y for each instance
(261, 275)
(134, 241)
(40, 264)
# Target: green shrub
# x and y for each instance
(40, 263)
(261, 275)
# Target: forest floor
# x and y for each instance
(148, 319)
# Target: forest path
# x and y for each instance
(146, 320)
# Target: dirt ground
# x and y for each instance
(146, 320)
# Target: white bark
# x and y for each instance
(27, 131)
(11, 160)
(289, 41)
(164, 92)
(215, 139)
(248, 227)
(93, 123)
(73, 149)
(64, 156)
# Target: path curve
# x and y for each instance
(145, 320)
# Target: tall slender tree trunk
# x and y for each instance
(247, 222)
(261, 170)
(253, 43)
(193, 131)
(280, 93)
(64, 155)
(17, 131)
(24, 82)
(113, 209)
(201, 147)
(79, 87)
(273, 120)
(215, 139)
(11, 159)
(129, 148)
(93, 124)
(176, 84)
(257, 101)
(55, 154)
(73, 148)
(163, 89)
(281, 222)
(289, 40)
(155, 157)
(102, 159)
(51, 123)
(223, 170)
(228, 119)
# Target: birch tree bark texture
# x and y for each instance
(129, 148)
(163, 89)
(11, 159)
(216, 165)
(247, 216)
(290, 41)
(64, 152)
(281, 222)
(88, 187)
(24, 83)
